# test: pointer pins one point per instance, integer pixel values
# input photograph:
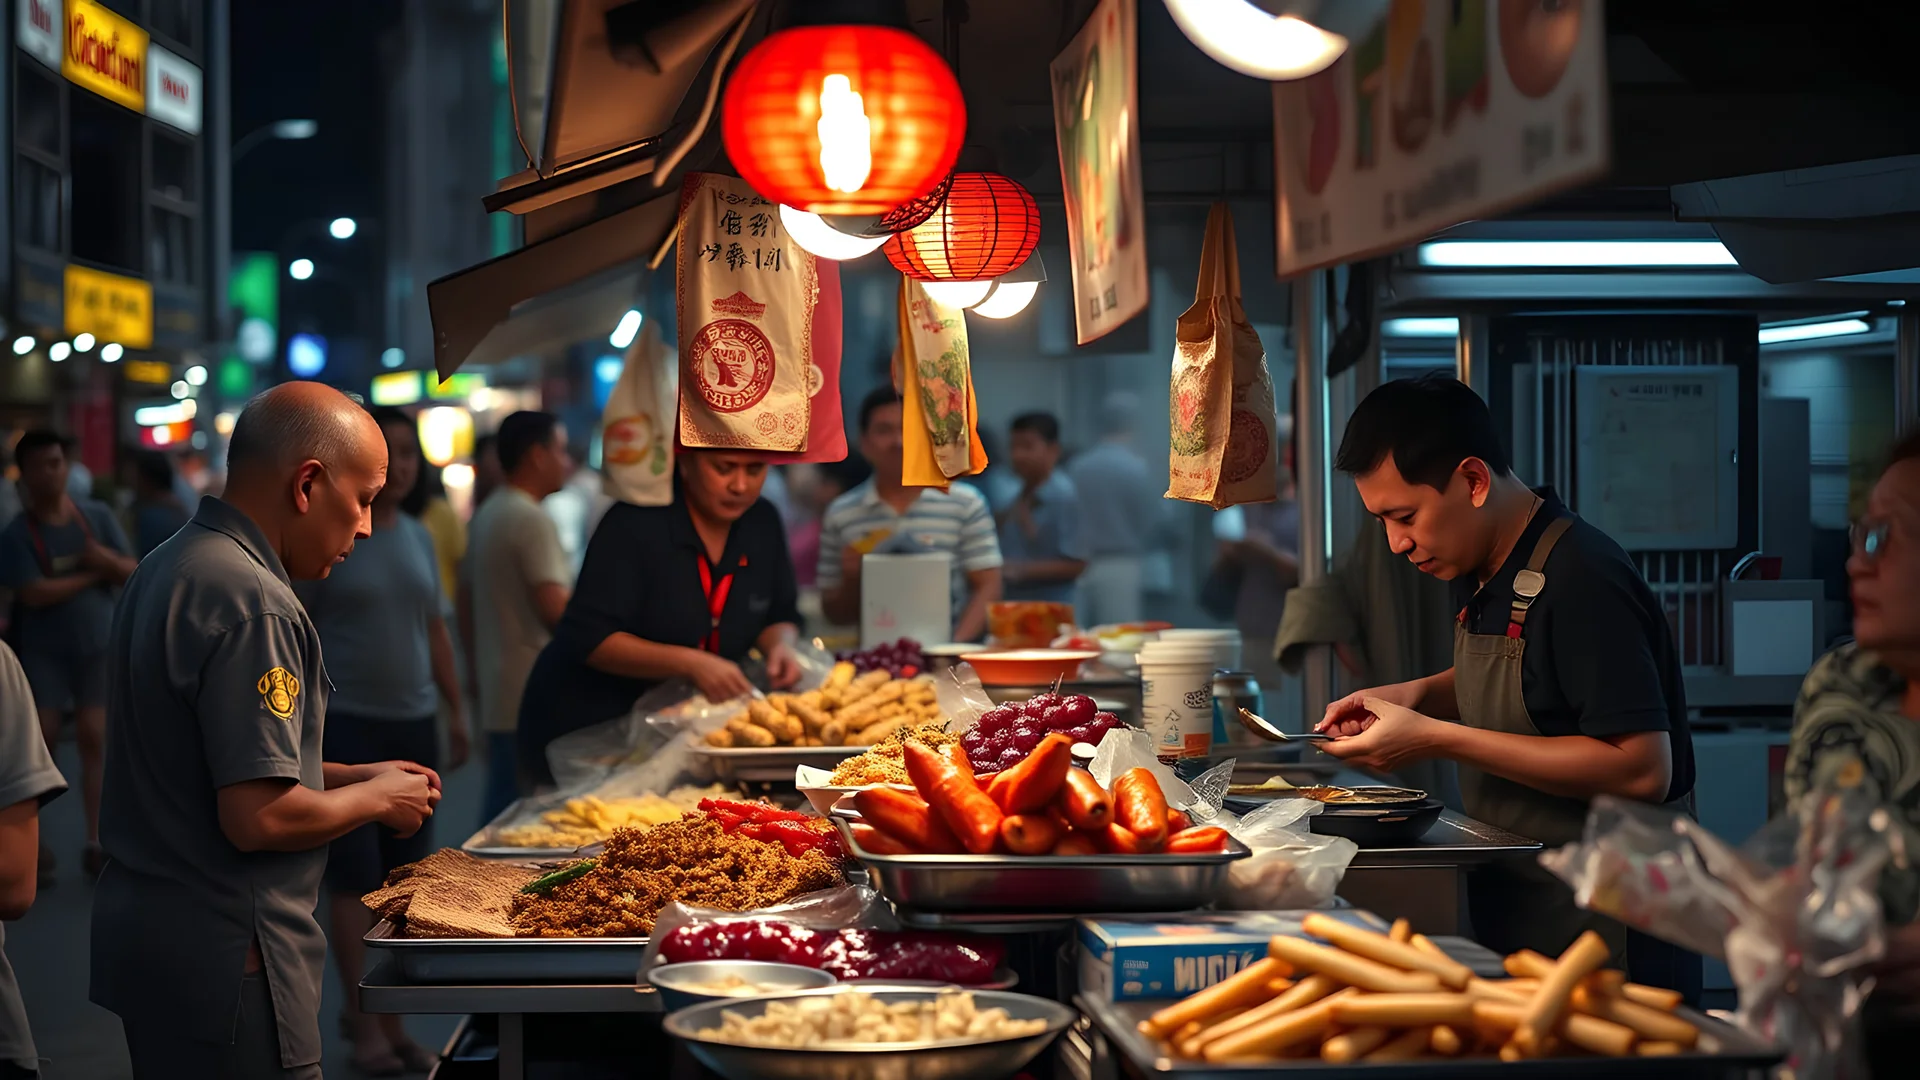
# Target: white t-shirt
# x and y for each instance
(513, 548)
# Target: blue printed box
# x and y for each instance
(1125, 960)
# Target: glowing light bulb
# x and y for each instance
(812, 232)
(1009, 298)
(846, 135)
(957, 294)
(83, 343)
(1249, 40)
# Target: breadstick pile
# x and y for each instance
(849, 710)
(1391, 997)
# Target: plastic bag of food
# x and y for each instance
(1291, 866)
(848, 931)
(1128, 748)
(962, 697)
(1794, 912)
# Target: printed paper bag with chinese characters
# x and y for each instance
(827, 426)
(636, 447)
(1223, 450)
(939, 416)
(746, 301)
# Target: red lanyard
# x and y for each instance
(716, 603)
(40, 542)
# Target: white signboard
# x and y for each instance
(173, 90)
(1443, 113)
(34, 27)
(1096, 114)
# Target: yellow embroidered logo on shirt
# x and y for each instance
(278, 690)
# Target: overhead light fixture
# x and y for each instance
(295, 129)
(160, 415)
(181, 391)
(306, 355)
(23, 344)
(957, 294)
(1420, 327)
(812, 232)
(195, 375)
(1574, 254)
(1014, 290)
(83, 343)
(111, 352)
(300, 269)
(1247, 39)
(628, 329)
(1779, 333)
(342, 228)
(392, 358)
(59, 351)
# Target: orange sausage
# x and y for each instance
(1140, 806)
(1121, 840)
(958, 755)
(874, 842)
(1207, 838)
(1032, 784)
(952, 794)
(1177, 821)
(1087, 805)
(1030, 834)
(1075, 843)
(907, 818)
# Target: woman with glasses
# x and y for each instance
(1857, 721)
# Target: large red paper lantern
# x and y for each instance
(987, 226)
(843, 119)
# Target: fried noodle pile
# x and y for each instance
(692, 860)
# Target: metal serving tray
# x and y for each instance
(1453, 840)
(1005, 884)
(524, 811)
(471, 961)
(1726, 1053)
(763, 763)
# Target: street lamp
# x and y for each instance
(342, 228)
(300, 269)
(292, 130)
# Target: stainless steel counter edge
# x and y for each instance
(382, 991)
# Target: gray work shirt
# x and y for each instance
(215, 680)
(31, 550)
(26, 772)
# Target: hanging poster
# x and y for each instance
(1096, 118)
(1445, 112)
(747, 299)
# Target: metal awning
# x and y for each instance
(547, 292)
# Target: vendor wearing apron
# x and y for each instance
(217, 808)
(1565, 682)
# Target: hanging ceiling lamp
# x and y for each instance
(986, 228)
(818, 236)
(850, 113)
(1276, 40)
(1013, 291)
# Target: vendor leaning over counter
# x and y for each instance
(1565, 681)
(684, 590)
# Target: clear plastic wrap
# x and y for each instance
(1793, 912)
(847, 931)
(1291, 866)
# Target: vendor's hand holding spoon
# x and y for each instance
(1389, 737)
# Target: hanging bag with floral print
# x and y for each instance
(1221, 410)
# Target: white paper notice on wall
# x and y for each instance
(173, 90)
(1444, 112)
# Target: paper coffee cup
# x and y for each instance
(1225, 644)
(1177, 705)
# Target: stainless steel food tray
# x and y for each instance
(1727, 1053)
(762, 762)
(524, 811)
(467, 961)
(1453, 840)
(1004, 884)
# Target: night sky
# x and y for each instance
(307, 60)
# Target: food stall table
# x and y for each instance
(383, 990)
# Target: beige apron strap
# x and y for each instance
(1528, 583)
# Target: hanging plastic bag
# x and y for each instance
(1291, 865)
(1223, 447)
(939, 415)
(636, 428)
(1794, 912)
(747, 300)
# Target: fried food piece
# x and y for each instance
(884, 764)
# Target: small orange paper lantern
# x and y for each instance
(843, 119)
(987, 226)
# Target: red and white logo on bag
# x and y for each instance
(732, 365)
(1247, 447)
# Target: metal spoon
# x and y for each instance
(1258, 724)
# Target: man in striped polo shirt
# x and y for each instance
(884, 515)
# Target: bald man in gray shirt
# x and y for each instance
(218, 810)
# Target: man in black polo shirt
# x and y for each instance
(678, 591)
(1565, 681)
